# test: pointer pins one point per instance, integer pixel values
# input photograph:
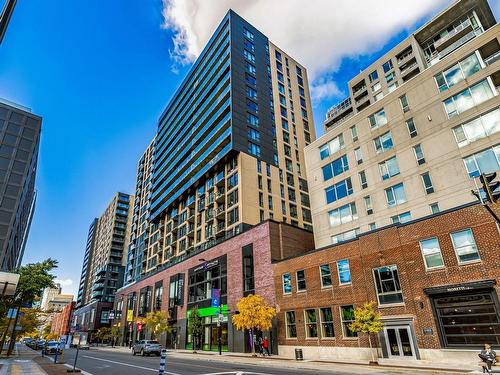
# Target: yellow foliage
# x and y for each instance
(254, 313)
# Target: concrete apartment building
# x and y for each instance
(418, 125)
(104, 264)
(53, 300)
(229, 150)
(19, 144)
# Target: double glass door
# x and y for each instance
(399, 342)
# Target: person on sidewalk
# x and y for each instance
(488, 356)
(265, 347)
(260, 346)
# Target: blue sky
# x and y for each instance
(99, 73)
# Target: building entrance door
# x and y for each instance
(399, 342)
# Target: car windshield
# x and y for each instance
(152, 342)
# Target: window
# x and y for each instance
(326, 275)
(376, 87)
(362, 179)
(287, 283)
(333, 146)
(393, 87)
(252, 106)
(281, 88)
(405, 106)
(486, 161)
(252, 120)
(395, 195)
(478, 128)
(311, 322)
(354, 133)
(431, 253)
(377, 119)
(253, 134)
(250, 79)
(299, 71)
(410, 124)
(358, 155)
(343, 215)
(458, 72)
(383, 143)
(378, 96)
(251, 93)
(426, 180)
(338, 191)
(373, 76)
(345, 236)
(344, 271)
(254, 149)
(468, 98)
(291, 325)
(368, 205)
(372, 226)
(335, 168)
(387, 285)
(419, 154)
(390, 77)
(249, 56)
(232, 216)
(249, 45)
(401, 218)
(389, 168)
(326, 320)
(278, 55)
(301, 281)
(347, 317)
(250, 68)
(387, 66)
(247, 33)
(434, 208)
(465, 246)
(279, 66)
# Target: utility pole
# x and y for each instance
(7, 11)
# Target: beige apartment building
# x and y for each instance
(419, 124)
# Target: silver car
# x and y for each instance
(148, 347)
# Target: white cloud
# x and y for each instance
(318, 33)
(64, 282)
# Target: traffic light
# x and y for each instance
(490, 187)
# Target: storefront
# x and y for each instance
(467, 315)
(210, 331)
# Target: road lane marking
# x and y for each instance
(129, 365)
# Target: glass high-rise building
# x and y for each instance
(228, 153)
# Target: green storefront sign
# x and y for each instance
(210, 317)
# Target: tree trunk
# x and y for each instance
(13, 336)
(252, 343)
(371, 349)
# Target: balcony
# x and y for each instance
(408, 68)
(219, 179)
(191, 215)
(356, 92)
(458, 32)
(190, 201)
(190, 231)
(220, 212)
(404, 56)
(220, 195)
(362, 100)
(220, 231)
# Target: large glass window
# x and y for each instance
(345, 236)
(291, 325)
(465, 246)
(326, 319)
(383, 143)
(287, 283)
(468, 98)
(301, 280)
(347, 317)
(431, 253)
(389, 168)
(478, 128)
(387, 285)
(338, 191)
(325, 275)
(401, 218)
(387, 66)
(458, 72)
(344, 271)
(333, 146)
(249, 56)
(343, 215)
(377, 119)
(486, 161)
(335, 168)
(395, 195)
(311, 321)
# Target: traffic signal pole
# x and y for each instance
(489, 188)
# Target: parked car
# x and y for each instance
(28, 341)
(52, 347)
(39, 344)
(146, 347)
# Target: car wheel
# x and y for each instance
(142, 352)
(133, 352)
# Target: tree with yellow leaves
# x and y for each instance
(367, 320)
(254, 313)
(157, 322)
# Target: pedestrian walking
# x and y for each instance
(265, 347)
(260, 345)
(488, 356)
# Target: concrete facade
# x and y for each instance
(418, 313)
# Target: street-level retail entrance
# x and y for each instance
(210, 330)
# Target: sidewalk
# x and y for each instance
(22, 362)
(415, 366)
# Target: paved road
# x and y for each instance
(101, 362)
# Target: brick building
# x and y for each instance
(61, 322)
(238, 266)
(435, 281)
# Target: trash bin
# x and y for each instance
(299, 356)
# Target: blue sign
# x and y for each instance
(215, 297)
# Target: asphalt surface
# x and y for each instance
(104, 362)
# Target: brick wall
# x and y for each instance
(394, 245)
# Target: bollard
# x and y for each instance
(163, 361)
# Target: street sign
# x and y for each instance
(11, 314)
(130, 315)
(139, 327)
(215, 297)
(111, 315)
